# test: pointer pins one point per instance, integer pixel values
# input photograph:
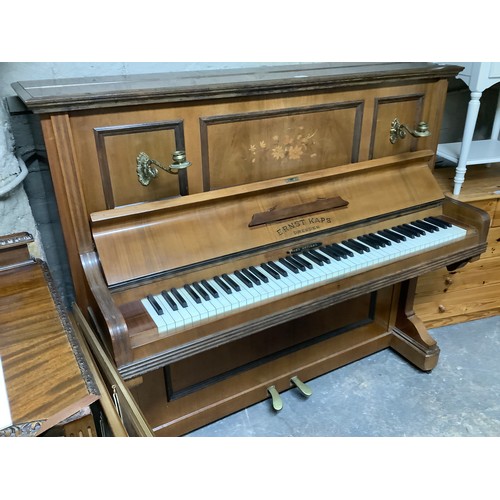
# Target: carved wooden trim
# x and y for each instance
(115, 323)
(16, 239)
(207, 121)
(100, 134)
(68, 329)
(23, 429)
(399, 98)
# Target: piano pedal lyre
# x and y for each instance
(301, 386)
(276, 398)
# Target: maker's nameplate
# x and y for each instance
(302, 226)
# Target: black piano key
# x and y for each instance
(277, 267)
(168, 299)
(343, 252)
(353, 246)
(391, 235)
(211, 290)
(438, 222)
(329, 251)
(336, 250)
(302, 261)
(251, 276)
(369, 241)
(314, 258)
(243, 279)
(201, 291)
(272, 272)
(192, 294)
(223, 284)
(178, 297)
(403, 231)
(289, 265)
(259, 275)
(431, 228)
(320, 256)
(231, 282)
(416, 231)
(383, 241)
(296, 263)
(155, 305)
(359, 244)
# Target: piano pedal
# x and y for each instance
(301, 386)
(276, 398)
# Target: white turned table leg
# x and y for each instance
(470, 125)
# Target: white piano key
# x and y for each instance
(174, 319)
(158, 320)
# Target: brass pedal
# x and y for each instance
(275, 395)
(303, 388)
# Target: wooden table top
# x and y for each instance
(45, 373)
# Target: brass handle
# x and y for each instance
(147, 167)
(399, 130)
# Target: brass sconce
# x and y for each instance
(399, 130)
(147, 167)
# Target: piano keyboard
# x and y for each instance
(183, 308)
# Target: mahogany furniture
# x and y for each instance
(46, 375)
(171, 181)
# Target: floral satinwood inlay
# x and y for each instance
(292, 146)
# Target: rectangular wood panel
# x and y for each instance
(118, 148)
(250, 147)
(408, 110)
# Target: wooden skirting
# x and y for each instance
(445, 298)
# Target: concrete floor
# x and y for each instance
(383, 395)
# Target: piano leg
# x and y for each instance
(410, 336)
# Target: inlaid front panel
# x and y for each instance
(118, 148)
(250, 147)
(408, 109)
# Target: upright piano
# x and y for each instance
(232, 235)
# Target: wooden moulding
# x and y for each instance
(51, 96)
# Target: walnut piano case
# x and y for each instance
(268, 164)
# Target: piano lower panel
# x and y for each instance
(208, 367)
(361, 326)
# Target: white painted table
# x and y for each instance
(478, 76)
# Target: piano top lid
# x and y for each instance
(54, 95)
(135, 242)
